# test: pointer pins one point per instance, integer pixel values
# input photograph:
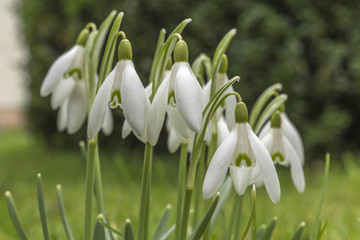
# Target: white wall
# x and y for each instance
(13, 90)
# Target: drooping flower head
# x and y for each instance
(65, 82)
(185, 93)
(246, 157)
(123, 88)
(283, 151)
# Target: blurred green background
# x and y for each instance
(311, 47)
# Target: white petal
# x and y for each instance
(292, 135)
(135, 103)
(218, 166)
(230, 104)
(107, 127)
(265, 130)
(98, 109)
(158, 111)
(56, 71)
(207, 91)
(126, 129)
(223, 130)
(77, 108)
(256, 177)
(266, 165)
(62, 116)
(118, 73)
(61, 92)
(241, 177)
(173, 141)
(267, 139)
(296, 170)
(178, 123)
(189, 97)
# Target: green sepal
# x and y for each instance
(181, 52)
(15, 216)
(200, 228)
(82, 37)
(125, 50)
(276, 120)
(224, 64)
(241, 113)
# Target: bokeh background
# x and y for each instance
(311, 47)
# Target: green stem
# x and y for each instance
(238, 213)
(89, 188)
(186, 211)
(181, 187)
(145, 194)
(198, 189)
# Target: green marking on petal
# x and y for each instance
(171, 96)
(277, 156)
(75, 73)
(115, 98)
(243, 157)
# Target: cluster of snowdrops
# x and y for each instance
(200, 110)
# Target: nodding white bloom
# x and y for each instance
(283, 152)
(222, 130)
(290, 132)
(175, 139)
(244, 153)
(122, 88)
(230, 102)
(65, 82)
(185, 93)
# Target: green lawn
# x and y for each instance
(21, 158)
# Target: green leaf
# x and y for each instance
(269, 110)
(113, 230)
(270, 229)
(261, 232)
(168, 233)
(200, 228)
(99, 232)
(63, 213)
(317, 230)
(15, 216)
(100, 38)
(108, 58)
(262, 100)
(128, 231)
(41, 204)
(225, 191)
(200, 64)
(299, 231)
(163, 224)
(159, 44)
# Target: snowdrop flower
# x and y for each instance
(185, 93)
(290, 132)
(283, 152)
(230, 102)
(122, 88)
(242, 152)
(65, 82)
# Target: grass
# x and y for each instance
(21, 158)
